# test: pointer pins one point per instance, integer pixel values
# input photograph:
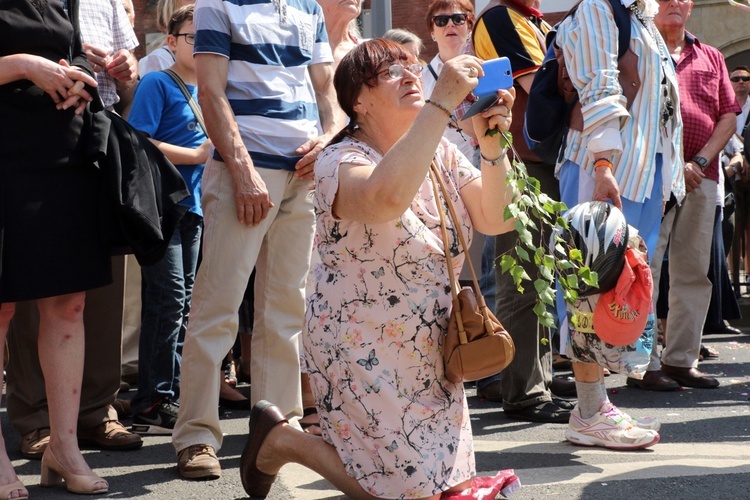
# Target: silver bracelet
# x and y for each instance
(497, 161)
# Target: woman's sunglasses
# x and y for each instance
(441, 21)
(735, 79)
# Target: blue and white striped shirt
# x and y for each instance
(269, 44)
(589, 41)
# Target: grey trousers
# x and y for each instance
(525, 382)
(689, 230)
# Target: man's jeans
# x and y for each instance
(166, 291)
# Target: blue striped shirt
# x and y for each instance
(269, 44)
(589, 42)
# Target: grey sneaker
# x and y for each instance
(158, 420)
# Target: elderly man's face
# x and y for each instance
(673, 13)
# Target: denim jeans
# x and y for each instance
(166, 291)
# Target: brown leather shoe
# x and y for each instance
(689, 377)
(122, 407)
(198, 462)
(110, 435)
(263, 418)
(34, 443)
(654, 381)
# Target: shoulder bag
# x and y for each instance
(476, 345)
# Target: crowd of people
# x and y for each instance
(310, 162)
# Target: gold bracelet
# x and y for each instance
(440, 106)
(497, 161)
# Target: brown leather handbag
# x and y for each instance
(476, 345)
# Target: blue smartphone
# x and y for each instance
(497, 75)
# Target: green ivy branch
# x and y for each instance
(565, 263)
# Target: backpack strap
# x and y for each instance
(622, 19)
(189, 97)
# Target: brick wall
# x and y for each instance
(145, 22)
(410, 15)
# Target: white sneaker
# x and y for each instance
(648, 423)
(608, 428)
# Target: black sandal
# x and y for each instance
(309, 427)
(707, 353)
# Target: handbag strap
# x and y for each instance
(437, 180)
(191, 102)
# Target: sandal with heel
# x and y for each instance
(53, 473)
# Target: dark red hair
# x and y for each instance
(464, 6)
(358, 69)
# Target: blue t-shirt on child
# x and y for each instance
(161, 111)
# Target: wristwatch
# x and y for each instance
(700, 161)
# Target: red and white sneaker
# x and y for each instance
(608, 428)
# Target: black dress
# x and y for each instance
(49, 191)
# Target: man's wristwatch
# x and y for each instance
(700, 161)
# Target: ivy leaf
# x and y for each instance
(524, 235)
(547, 273)
(569, 295)
(506, 262)
(523, 254)
(572, 281)
(518, 273)
(545, 317)
(513, 209)
(589, 277)
(576, 255)
(540, 285)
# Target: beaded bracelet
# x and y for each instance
(440, 106)
(603, 162)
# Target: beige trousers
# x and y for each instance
(279, 249)
(688, 229)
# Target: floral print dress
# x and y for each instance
(374, 332)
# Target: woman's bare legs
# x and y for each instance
(7, 474)
(61, 348)
(285, 444)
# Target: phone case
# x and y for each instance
(497, 75)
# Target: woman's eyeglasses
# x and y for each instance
(737, 79)
(441, 21)
(396, 71)
(189, 37)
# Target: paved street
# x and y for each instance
(704, 450)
